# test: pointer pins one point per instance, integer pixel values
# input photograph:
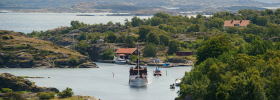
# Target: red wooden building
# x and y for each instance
(184, 53)
(125, 53)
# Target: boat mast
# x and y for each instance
(138, 58)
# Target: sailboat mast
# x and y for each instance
(138, 58)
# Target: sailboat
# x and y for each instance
(138, 76)
(157, 72)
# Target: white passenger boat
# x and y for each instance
(138, 76)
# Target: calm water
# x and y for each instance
(27, 22)
(99, 82)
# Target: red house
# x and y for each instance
(125, 53)
(184, 53)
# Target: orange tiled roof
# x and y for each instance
(126, 50)
(240, 22)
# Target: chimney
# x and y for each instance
(240, 20)
(231, 21)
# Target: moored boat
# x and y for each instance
(177, 82)
(157, 72)
(172, 86)
(119, 61)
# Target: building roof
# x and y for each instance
(240, 22)
(126, 50)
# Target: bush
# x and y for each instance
(65, 93)
(45, 95)
(11, 37)
(150, 50)
(5, 90)
(133, 57)
(107, 55)
(5, 38)
(13, 96)
(74, 61)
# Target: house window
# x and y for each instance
(236, 24)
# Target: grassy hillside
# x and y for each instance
(20, 51)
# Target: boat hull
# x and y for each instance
(120, 62)
(138, 82)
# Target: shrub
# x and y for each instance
(150, 50)
(5, 90)
(13, 96)
(74, 61)
(107, 55)
(133, 57)
(5, 38)
(45, 95)
(11, 37)
(65, 93)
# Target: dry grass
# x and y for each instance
(38, 44)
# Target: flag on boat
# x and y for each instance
(158, 60)
(155, 60)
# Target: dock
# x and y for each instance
(106, 61)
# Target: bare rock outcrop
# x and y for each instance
(17, 83)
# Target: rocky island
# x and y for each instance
(17, 50)
(17, 88)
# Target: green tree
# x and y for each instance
(45, 96)
(65, 93)
(135, 21)
(110, 37)
(73, 61)
(133, 57)
(107, 55)
(13, 96)
(110, 23)
(129, 41)
(150, 50)
(199, 16)
(277, 12)
(156, 21)
(162, 15)
(213, 48)
(174, 46)
(82, 47)
(143, 31)
(164, 39)
(5, 90)
(232, 30)
(83, 36)
(127, 23)
(216, 22)
(261, 20)
(153, 38)
(195, 27)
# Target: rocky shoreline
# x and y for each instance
(17, 83)
(30, 90)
